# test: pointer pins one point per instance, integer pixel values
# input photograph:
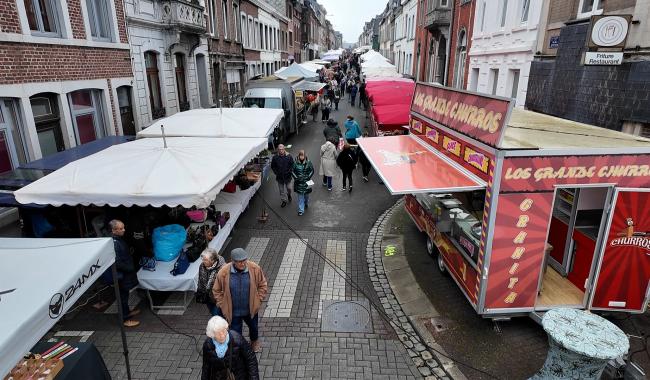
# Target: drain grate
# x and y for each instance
(346, 316)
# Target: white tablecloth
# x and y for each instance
(162, 280)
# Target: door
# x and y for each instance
(125, 104)
(623, 271)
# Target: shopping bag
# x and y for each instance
(168, 241)
(181, 264)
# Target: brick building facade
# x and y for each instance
(227, 25)
(65, 78)
(460, 43)
(434, 18)
(615, 97)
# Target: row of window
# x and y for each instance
(45, 18)
(88, 122)
(264, 69)
(403, 62)
(216, 6)
(512, 85)
(405, 27)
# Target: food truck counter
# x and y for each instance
(453, 219)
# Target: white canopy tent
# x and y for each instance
(40, 280)
(296, 70)
(311, 66)
(371, 54)
(376, 63)
(189, 171)
(215, 122)
(381, 72)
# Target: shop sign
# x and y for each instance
(451, 145)
(544, 173)
(518, 249)
(432, 134)
(416, 125)
(609, 31)
(482, 117)
(626, 254)
(554, 42)
(603, 58)
(298, 93)
(476, 159)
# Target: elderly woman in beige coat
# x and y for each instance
(327, 163)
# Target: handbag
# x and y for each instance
(198, 216)
(148, 263)
(181, 264)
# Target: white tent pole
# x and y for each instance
(125, 348)
(162, 131)
(220, 117)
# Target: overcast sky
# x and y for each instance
(349, 16)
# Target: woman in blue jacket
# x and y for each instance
(352, 130)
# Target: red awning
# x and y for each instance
(393, 115)
(408, 166)
(391, 93)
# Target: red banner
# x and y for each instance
(479, 116)
(543, 173)
(625, 268)
(517, 250)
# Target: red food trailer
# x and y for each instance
(525, 211)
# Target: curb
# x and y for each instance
(427, 362)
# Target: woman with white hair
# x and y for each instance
(226, 354)
(212, 261)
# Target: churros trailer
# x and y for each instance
(525, 211)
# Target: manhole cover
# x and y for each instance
(346, 316)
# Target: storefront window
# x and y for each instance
(46, 116)
(87, 115)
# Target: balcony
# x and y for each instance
(437, 17)
(186, 15)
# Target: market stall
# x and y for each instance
(297, 70)
(215, 122)
(557, 215)
(40, 280)
(389, 119)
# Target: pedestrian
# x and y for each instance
(347, 161)
(353, 93)
(365, 163)
(325, 107)
(344, 81)
(327, 163)
(352, 130)
(363, 100)
(211, 263)
(337, 97)
(282, 165)
(332, 132)
(226, 354)
(239, 290)
(126, 272)
(303, 170)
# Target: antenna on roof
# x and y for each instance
(162, 130)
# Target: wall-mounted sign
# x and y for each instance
(476, 159)
(416, 125)
(609, 31)
(603, 58)
(451, 145)
(482, 117)
(432, 135)
(554, 42)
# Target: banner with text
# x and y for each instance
(517, 250)
(479, 116)
(543, 173)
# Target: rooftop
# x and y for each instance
(533, 130)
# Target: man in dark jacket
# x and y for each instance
(126, 271)
(332, 132)
(282, 166)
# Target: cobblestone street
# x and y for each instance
(301, 286)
